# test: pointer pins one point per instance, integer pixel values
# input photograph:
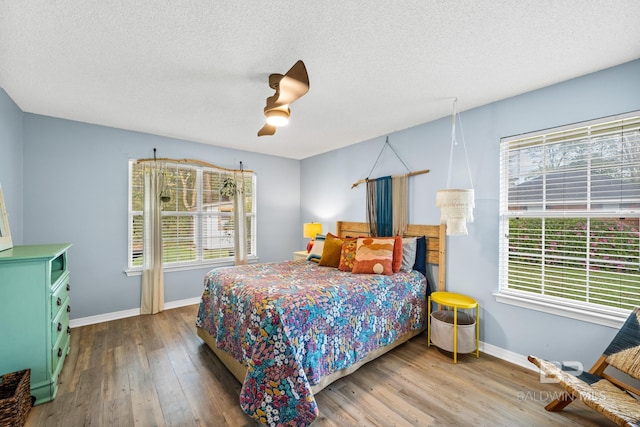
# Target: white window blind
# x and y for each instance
(570, 208)
(197, 216)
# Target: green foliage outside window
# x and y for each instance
(594, 260)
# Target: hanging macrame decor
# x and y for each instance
(456, 205)
(387, 199)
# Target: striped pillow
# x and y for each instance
(318, 246)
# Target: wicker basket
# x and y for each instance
(15, 398)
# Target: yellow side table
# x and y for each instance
(457, 301)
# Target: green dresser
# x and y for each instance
(34, 314)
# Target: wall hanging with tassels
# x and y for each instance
(387, 212)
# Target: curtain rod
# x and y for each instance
(420, 172)
(193, 162)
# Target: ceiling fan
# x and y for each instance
(288, 87)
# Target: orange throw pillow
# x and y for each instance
(374, 255)
(397, 254)
(348, 254)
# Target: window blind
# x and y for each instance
(197, 215)
(569, 206)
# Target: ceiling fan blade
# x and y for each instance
(298, 72)
(267, 130)
(293, 84)
(288, 88)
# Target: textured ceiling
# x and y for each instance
(198, 70)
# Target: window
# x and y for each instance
(569, 213)
(197, 216)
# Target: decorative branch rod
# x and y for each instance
(420, 172)
(192, 162)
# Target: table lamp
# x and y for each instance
(309, 230)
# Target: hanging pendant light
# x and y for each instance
(456, 205)
(456, 208)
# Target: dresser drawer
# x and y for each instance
(58, 354)
(34, 298)
(59, 296)
(60, 324)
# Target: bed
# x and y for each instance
(287, 330)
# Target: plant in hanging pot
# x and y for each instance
(228, 188)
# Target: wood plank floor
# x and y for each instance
(155, 371)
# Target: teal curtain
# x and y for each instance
(384, 207)
(380, 206)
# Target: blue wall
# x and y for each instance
(66, 181)
(73, 180)
(11, 137)
(472, 265)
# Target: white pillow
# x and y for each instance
(318, 246)
(408, 253)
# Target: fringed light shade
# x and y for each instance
(456, 209)
(456, 206)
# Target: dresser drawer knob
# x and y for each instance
(69, 330)
(68, 309)
(68, 286)
(58, 301)
(59, 326)
(59, 352)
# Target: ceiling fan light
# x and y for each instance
(277, 117)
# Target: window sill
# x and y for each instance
(137, 271)
(613, 318)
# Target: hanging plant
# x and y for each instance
(228, 187)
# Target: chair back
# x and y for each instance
(623, 353)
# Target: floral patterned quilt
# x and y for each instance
(294, 322)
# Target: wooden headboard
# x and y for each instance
(436, 242)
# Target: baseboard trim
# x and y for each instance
(506, 355)
(106, 317)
